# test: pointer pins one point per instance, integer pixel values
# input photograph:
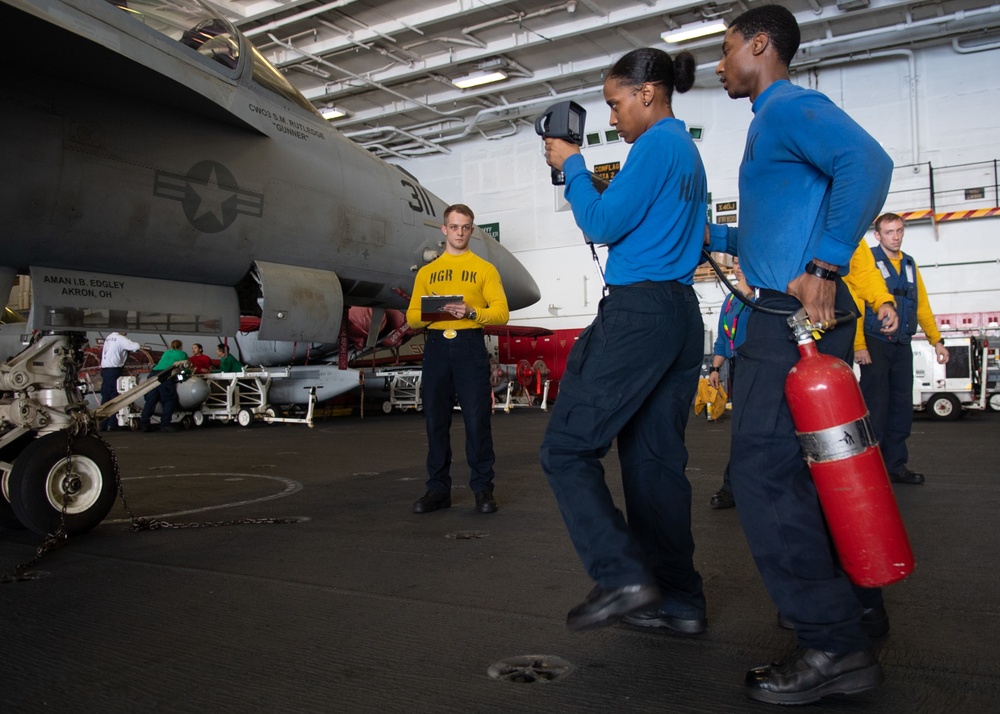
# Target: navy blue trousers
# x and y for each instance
(109, 390)
(727, 481)
(457, 367)
(887, 384)
(775, 496)
(166, 396)
(632, 374)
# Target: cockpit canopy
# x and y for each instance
(201, 28)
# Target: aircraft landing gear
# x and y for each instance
(8, 453)
(50, 462)
(54, 472)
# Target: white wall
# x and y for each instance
(957, 101)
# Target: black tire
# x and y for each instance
(244, 418)
(9, 454)
(7, 517)
(36, 483)
(944, 407)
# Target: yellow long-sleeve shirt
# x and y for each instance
(867, 287)
(925, 316)
(468, 275)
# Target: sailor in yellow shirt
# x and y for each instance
(868, 289)
(887, 358)
(456, 362)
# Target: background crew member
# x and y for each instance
(868, 288)
(166, 394)
(732, 329)
(227, 363)
(652, 217)
(456, 362)
(201, 362)
(810, 181)
(113, 358)
(887, 359)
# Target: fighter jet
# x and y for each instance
(158, 175)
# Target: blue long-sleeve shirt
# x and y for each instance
(733, 316)
(811, 182)
(652, 215)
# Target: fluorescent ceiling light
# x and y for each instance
(690, 32)
(332, 113)
(477, 78)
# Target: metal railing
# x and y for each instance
(942, 189)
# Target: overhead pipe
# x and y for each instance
(394, 130)
(370, 47)
(515, 107)
(957, 45)
(467, 41)
(366, 80)
(520, 17)
(816, 44)
(305, 15)
(900, 27)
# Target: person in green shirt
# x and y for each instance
(227, 363)
(166, 393)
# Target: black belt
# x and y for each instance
(767, 293)
(673, 285)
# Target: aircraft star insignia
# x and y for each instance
(210, 195)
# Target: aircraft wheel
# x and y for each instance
(993, 401)
(46, 468)
(198, 418)
(244, 417)
(9, 453)
(387, 407)
(944, 407)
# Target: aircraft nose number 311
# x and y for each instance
(420, 202)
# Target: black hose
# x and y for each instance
(841, 315)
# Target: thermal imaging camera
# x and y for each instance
(566, 121)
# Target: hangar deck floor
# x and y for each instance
(366, 607)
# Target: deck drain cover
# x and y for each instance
(530, 669)
(466, 535)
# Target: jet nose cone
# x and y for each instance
(520, 288)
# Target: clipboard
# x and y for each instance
(432, 307)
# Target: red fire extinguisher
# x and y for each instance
(839, 444)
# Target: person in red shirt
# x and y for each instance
(201, 362)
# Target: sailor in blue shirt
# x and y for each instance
(811, 181)
(733, 317)
(634, 372)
